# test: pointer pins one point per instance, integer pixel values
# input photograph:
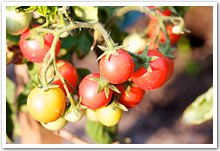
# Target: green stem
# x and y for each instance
(69, 96)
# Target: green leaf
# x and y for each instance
(86, 13)
(200, 110)
(27, 9)
(10, 90)
(99, 133)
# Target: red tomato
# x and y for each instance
(155, 79)
(171, 67)
(118, 68)
(173, 37)
(68, 71)
(165, 12)
(31, 48)
(88, 91)
(132, 97)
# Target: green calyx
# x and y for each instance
(104, 85)
(108, 51)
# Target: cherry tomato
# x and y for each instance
(31, 48)
(68, 71)
(173, 37)
(46, 106)
(155, 79)
(118, 68)
(130, 97)
(109, 115)
(88, 91)
(171, 67)
(74, 114)
(55, 125)
(16, 22)
(91, 115)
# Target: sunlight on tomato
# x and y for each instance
(109, 115)
(46, 106)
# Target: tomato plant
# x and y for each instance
(88, 91)
(32, 49)
(117, 68)
(59, 90)
(16, 22)
(46, 106)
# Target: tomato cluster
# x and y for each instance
(120, 84)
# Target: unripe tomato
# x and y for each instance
(155, 79)
(31, 48)
(134, 43)
(130, 97)
(118, 68)
(91, 115)
(55, 125)
(16, 22)
(88, 91)
(109, 115)
(68, 71)
(46, 106)
(74, 114)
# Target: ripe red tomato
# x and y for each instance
(165, 12)
(155, 79)
(132, 97)
(68, 71)
(88, 91)
(171, 67)
(46, 106)
(118, 68)
(31, 48)
(173, 37)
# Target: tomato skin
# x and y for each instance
(165, 12)
(155, 79)
(55, 125)
(91, 115)
(68, 71)
(31, 49)
(171, 67)
(16, 23)
(46, 106)
(132, 97)
(109, 115)
(88, 91)
(118, 68)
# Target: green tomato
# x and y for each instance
(55, 125)
(109, 115)
(134, 43)
(91, 115)
(74, 114)
(16, 22)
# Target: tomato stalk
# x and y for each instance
(161, 18)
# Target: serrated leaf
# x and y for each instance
(200, 110)
(99, 133)
(86, 13)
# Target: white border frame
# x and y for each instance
(109, 3)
